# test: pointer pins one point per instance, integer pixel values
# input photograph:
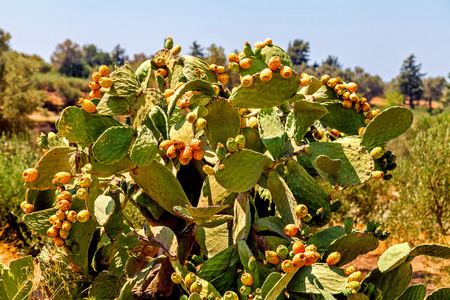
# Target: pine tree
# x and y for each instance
(197, 50)
(298, 52)
(411, 80)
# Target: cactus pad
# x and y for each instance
(218, 264)
(145, 147)
(431, 250)
(386, 126)
(223, 122)
(271, 131)
(414, 292)
(272, 224)
(182, 130)
(269, 283)
(143, 73)
(113, 106)
(125, 83)
(168, 57)
(38, 221)
(235, 180)
(198, 85)
(266, 94)
(190, 63)
(252, 140)
(161, 185)
(16, 281)
(328, 165)
(272, 50)
(213, 193)
(440, 294)
(331, 278)
(242, 218)
(113, 144)
(257, 66)
(343, 119)
(103, 170)
(283, 198)
(393, 257)
(304, 115)
(323, 239)
(59, 159)
(281, 284)
(352, 245)
(356, 166)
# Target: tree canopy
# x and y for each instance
(410, 80)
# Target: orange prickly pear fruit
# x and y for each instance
(346, 95)
(268, 41)
(83, 216)
(168, 93)
(245, 63)
(191, 117)
(223, 78)
(285, 72)
(247, 279)
(208, 170)
(311, 257)
(365, 107)
(94, 85)
(62, 177)
(335, 133)
(325, 79)
(104, 71)
(160, 62)
(185, 155)
(266, 75)
(60, 215)
(30, 175)
(196, 144)
(171, 152)
(178, 144)
(96, 77)
(247, 81)
(105, 82)
(66, 225)
(311, 248)
(165, 144)
(71, 216)
(220, 69)
(82, 193)
(216, 89)
(301, 211)
(290, 230)
(272, 257)
(53, 232)
(22, 205)
(355, 276)
(198, 154)
(64, 233)
(64, 195)
(28, 208)
(347, 103)
(305, 81)
(274, 63)
(377, 174)
(287, 266)
(361, 130)
(58, 224)
(176, 50)
(213, 67)
(349, 270)
(299, 260)
(333, 258)
(161, 72)
(200, 123)
(233, 57)
(88, 106)
(354, 97)
(298, 247)
(352, 87)
(184, 103)
(64, 205)
(52, 219)
(259, 45)
(59, 241)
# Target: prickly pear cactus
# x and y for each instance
(223, 180)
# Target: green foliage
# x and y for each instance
(410, 80)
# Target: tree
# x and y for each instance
(197, 50)
(298, 52)
(411, 80)
(95, 57)
(433, 88)
(118, 55)
(68, 59)
(332, 61)
(216, 55)
(4, 40)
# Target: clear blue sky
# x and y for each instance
(376, 35)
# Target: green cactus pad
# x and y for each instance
(143, 73)
(242, 218)
(269, 283)
(103, 209)
(357, 296)
(272, 224)
(431, 250)
(328, 165)
(414, 292)
(143, 105)
(106, 286)
(393, 257)
(386, 126)
(225, 281)
(168, 57)
(218, 264)
(113, 144)
(190, 63)
(175, 74)
(357, 164)
(145, 147)
(60, 159)
(143, 199)
(195, 296)
(272, 50)
(198, 85)
(125, 83)
(160, 126)
(283, 198)
(281, 284)
(213, 240)
(257, 66)
(38, 221)
(161, 185)
(314, 86)
(266, 94)
(166, 239)
(217, 220)
(252, 140)
(271, 131)
(223, 122)
(235, 180)
(303, 116)
(325, 93)
(103, 170)
(331, 278)
(392, 283)
(324, 238)
(440, 294)
(202, 214)
(83, 128)
(40, 199)
(352, 245)
(307, 191)
(182, 130)
(244, 254)
(342, 119)
(113, 106)
(213, 193)
(16, 281)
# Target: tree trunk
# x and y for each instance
(411, 101)
(429, 105)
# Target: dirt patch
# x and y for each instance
(8, 252)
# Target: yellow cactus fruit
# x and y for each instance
(247, 81)
(365, 107)
(66, 225)
(274, 63)
(362, 100)
(95, 94)
(220, 70)
(216, 89)
(349, 270)
(160, 62)
(104, 71)
(52, 219)
(223, 78)
(191, 117)
(355, 276)
(64, 205)
(245, 63)
(165, 144)
(161, 72)
(94, 85)
(168, 93)
(58, 224)
(325, 79)
(268, 41)
(208, 170)
(333, 258)
(377, 174)
(96, 77)
(62, 177)
(28, 208)
(347, 103)
(22, 205)
(64, 233)
(301, 211)
(352, 87)
(200, 123)
(367, 121)
(105, 82)
(253, 123)
(305, 81)
(176, 50)
(179, 84)
(285, 72)
(71, 216)
(361, 130)
(83, 216)
(311, 247)
(59, 241)
(171, 152)
(30, 175)
(354, 97)
(266, 75)
(233, 57)
(213, 67)
(259, 45)
(64, 195)
(88, 106)
(60, 215)
(346, 95)
(53, 232)
(290, 230)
